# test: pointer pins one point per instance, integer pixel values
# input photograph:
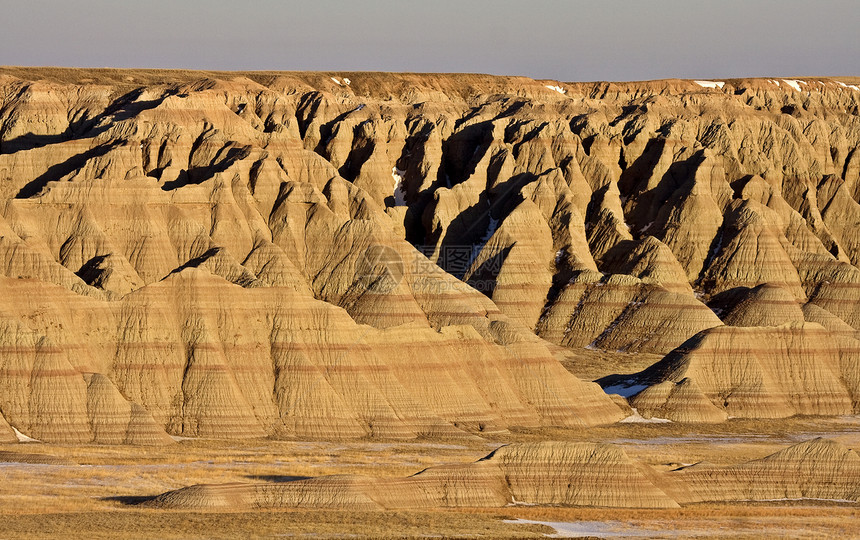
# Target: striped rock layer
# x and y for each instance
(295, 254)
(547, 473)
(556, 474)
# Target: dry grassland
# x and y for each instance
(95, 497)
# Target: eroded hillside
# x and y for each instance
(398, 256)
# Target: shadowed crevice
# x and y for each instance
(60, 170)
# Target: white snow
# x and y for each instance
(637, 418)
(710, 84)
(337, 82)
(775, 82)
(851, 86)
(346, 81)
(515, 502)
(716, 249)
(24, 438)
(491, 230)
(399, 192)
(557, 88)
(577, 529)
(359, 107)
(492, 226)
(625, 390)
(657, 529)
(559, 255)
(794, 83)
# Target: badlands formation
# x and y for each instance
(353, 256)
(551, 473)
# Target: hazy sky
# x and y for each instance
(565, 40)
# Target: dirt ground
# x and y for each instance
(91, 489)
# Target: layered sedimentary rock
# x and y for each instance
(549, 473)
(556, 474)
(33, 459)
(7, 434)
(817, 469)
(352, 254)
(583, 474)
(620, 312)
(764, 305)
(753, 372)
(199, 356)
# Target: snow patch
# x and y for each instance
(399, 192)
(559, 255)
(491, 230)
(24, 438)
(625, 389)
(710, 84)
(492, 226)
(337, 82)
(558, 89)
(577, 529)
(851, 86)
(637, 418)
(794, 83)
(346, 81)
(716, 251)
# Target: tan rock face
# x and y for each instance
(7, 435)
(547, 473)
(260, 254)
(557, 474)
(752, 372)
(816, 469)
(765, 305)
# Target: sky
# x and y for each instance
(546, 39)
